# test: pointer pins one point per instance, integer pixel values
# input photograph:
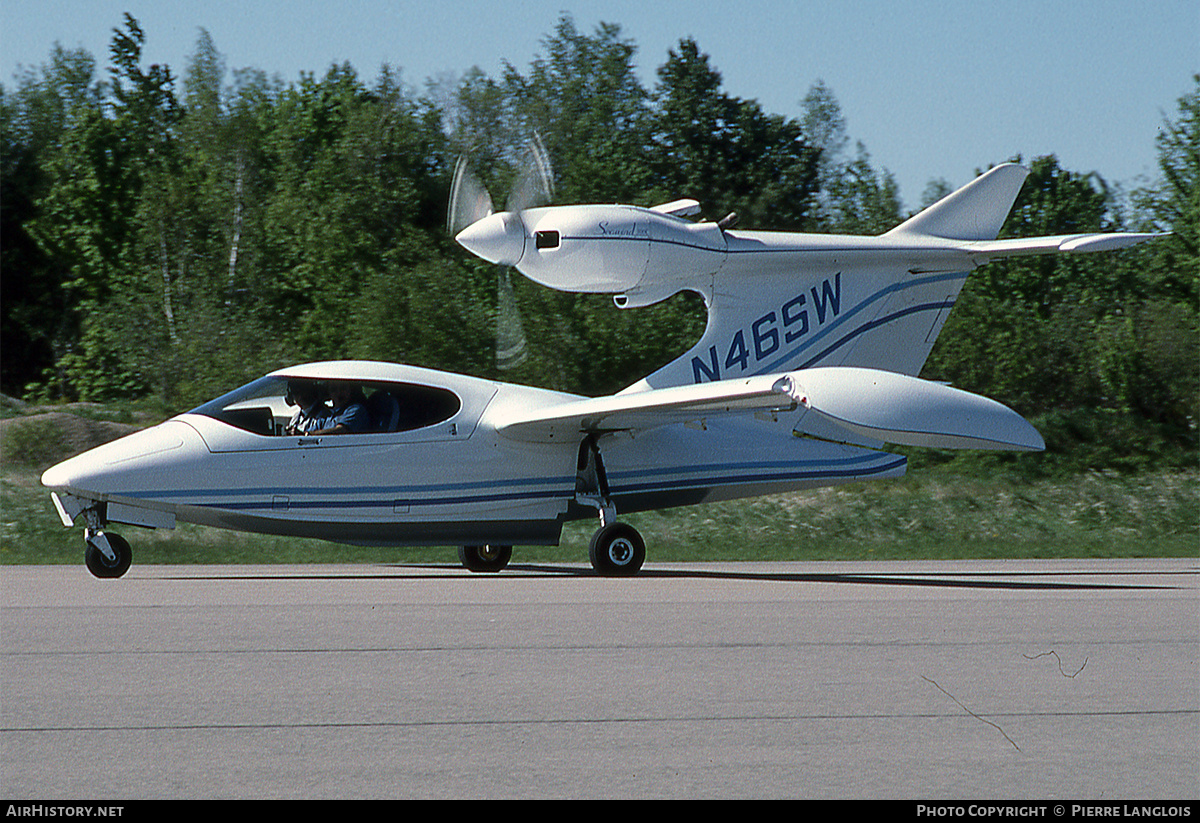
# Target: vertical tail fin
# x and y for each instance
(786, 302)
(977, 211)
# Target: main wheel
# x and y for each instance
(485, 558)
(101, 566)
(617, 550)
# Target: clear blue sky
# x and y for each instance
(933, 89)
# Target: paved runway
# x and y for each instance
(972, 680)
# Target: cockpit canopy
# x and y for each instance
(266, 405)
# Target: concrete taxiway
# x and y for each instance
(991, 679)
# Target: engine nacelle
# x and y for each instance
(622, 250)
(602, 249)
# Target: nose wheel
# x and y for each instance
(106, 564)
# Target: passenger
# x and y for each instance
(310, 397)
(349, 411)
(385, 411)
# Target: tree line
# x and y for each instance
(173, 236)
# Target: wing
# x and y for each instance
(639, 411)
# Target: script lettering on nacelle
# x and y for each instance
(771, 332)
(623, 230)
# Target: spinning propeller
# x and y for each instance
(499, 237)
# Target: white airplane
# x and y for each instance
(807, 367)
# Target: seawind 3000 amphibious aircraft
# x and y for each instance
(806, 369)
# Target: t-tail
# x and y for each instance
(784, 303)
(780, 302)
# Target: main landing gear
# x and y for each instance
(616, 549)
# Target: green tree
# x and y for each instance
(584, 99)
(728, 151)
(89, 222)
(35, 118)
(1054, 201)
(862, 200)
(1173, 204)
(1089, 343)
(853, 198)
(1168, 370)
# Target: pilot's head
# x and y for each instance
(305, 393)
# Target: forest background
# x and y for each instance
(167, 237)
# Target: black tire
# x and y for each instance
(617, 550)
(485, 558)
(101, 566)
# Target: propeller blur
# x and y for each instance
(471, 205)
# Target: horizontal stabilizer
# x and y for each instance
(1077, 243)
(896, 408)
(639, 411)
(976, 213)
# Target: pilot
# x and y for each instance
(310, 397)
(349, 411)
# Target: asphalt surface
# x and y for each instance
(997, 679)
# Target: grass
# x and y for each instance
(936, 515)
(950, 505)
(950, 516)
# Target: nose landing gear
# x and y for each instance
(106, 555)
(106, 564)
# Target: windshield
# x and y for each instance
(278, 405)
